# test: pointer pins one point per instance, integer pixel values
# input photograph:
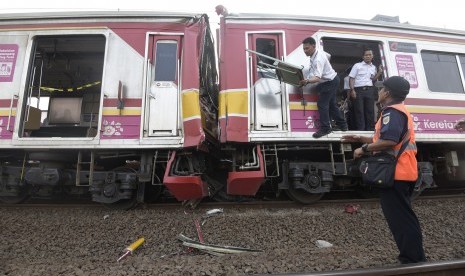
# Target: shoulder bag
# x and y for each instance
(378, 170)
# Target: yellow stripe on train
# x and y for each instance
(435, 110)
(6, 112)
(299, 106)
(190, 104)
(233, 102)
(113, 111)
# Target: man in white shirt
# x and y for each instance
(327, 80)
(362, 91)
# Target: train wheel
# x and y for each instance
(302, 196)
(122, 204)
(309, 190)
(24, 194)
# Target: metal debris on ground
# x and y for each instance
(105, 217)
(352, 208)
(131, 248)
(214, 249)
(199, 230)
(211, 213)
(214, 211)
(323, 244)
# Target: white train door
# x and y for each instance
(163, 85)
(266, 91)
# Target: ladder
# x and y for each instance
(338, 156)
(159, 157)
(91, 164)
(270, 153)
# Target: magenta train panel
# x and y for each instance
(424, 122)
(120, 127)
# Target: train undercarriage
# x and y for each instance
(122, 179)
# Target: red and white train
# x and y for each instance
(123, 104)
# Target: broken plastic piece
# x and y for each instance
(214, 211)
(323, 244)
(211, 213)
(352, 208)
(131, 248)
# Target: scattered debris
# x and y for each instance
(199, 231)
(105, 217)
(131, 248)
(352, 208)
(214, 211)
(212, 249)
(211, 213)
(323, 244)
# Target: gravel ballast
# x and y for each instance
(88, 240)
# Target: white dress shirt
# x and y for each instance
(362, 72)
(320, 67)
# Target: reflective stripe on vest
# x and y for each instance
(410, 146)
(406, 168)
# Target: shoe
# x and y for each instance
(340, 128)
(321, 132)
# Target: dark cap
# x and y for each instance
(398, 86)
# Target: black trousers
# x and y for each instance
(363, 108)
(403, 222)
(327, 107)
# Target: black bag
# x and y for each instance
(379, 169)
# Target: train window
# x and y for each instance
(166, 60)
(63, 70)
(442, 72)
(267, 47)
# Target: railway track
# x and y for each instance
(250, 204)
(449, 268)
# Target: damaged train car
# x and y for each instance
(265, 113)
(122, 105)
(109, 103)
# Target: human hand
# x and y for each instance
(460, 125)
(351, 138)
(380, 69)
(358, 153)
(353, 95)
(304, 82)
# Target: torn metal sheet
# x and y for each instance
(214, 211)
(211, 213)
(214, 248)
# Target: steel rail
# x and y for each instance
(442, 268)
(250, 204)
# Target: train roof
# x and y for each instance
(334, 20)
(92, 15)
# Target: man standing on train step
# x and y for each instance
(362, 91)
(327, 80)
(394, 123)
